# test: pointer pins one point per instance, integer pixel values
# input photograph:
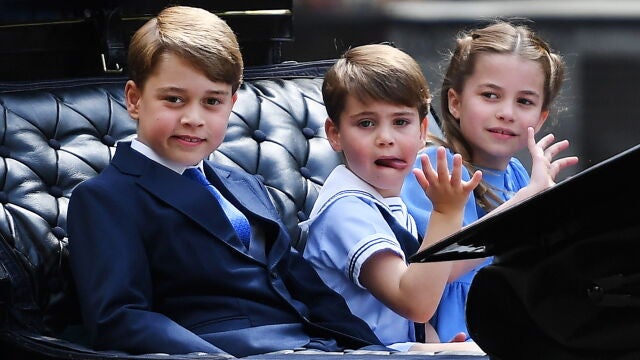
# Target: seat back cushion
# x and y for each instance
(54, 135)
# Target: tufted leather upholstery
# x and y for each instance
(292, 164)
(53, 135)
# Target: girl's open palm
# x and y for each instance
(543, 168)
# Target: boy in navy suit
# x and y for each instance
(158, 266)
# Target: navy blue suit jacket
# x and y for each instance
(158, 268)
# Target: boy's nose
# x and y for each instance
(385, 137)
(191, 117)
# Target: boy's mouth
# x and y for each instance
(394, 163)
(190, 139)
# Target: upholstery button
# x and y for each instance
(259, 136)
(308, 133)
(59, 232)
(55, 191)
(54, 144)
(4, 152)
(305, 172)
(4, 198)
(108, 140)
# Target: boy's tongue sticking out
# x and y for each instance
(391, 162)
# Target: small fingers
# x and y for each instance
(428, 170)
(443, 167)
(456, 171)
(546, 141)
(553, 150)
(423, 175)
(563, 163)
(531, 141)
(426, 164)
(474, 181)
(421, 179)
(459, 337)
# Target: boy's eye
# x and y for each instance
(365, 123)
(173, 99)
(401, 122)
(212, 101)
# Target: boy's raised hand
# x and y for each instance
(447, 192)
(543, 168)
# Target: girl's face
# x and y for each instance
(379, 140)
(498, 102)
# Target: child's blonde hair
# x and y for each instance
(500, 37)
(194, 34)
(375, 72)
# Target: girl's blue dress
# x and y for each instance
(449, 318)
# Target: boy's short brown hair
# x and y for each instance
(375, 72)
(194, 34)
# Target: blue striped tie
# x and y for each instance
(237, 218)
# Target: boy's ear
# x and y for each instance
(543, 117)
(453, 103)
(333, 135)
(132, 95)
(424, 129)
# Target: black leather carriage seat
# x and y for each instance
(56, 134)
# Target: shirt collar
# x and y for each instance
(151, 154)
(343, 181)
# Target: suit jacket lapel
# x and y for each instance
(237, 190)
(242, 194)
(179, 192)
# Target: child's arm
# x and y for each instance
(113, 278)
(543, 173)
(414, 290)
(449, 219)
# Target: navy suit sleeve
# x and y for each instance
(113, 278)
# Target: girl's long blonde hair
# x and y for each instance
(500, 37)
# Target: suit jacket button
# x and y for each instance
(274, 275)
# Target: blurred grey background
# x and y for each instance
(599, 106)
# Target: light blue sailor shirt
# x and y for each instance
(345, 228)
